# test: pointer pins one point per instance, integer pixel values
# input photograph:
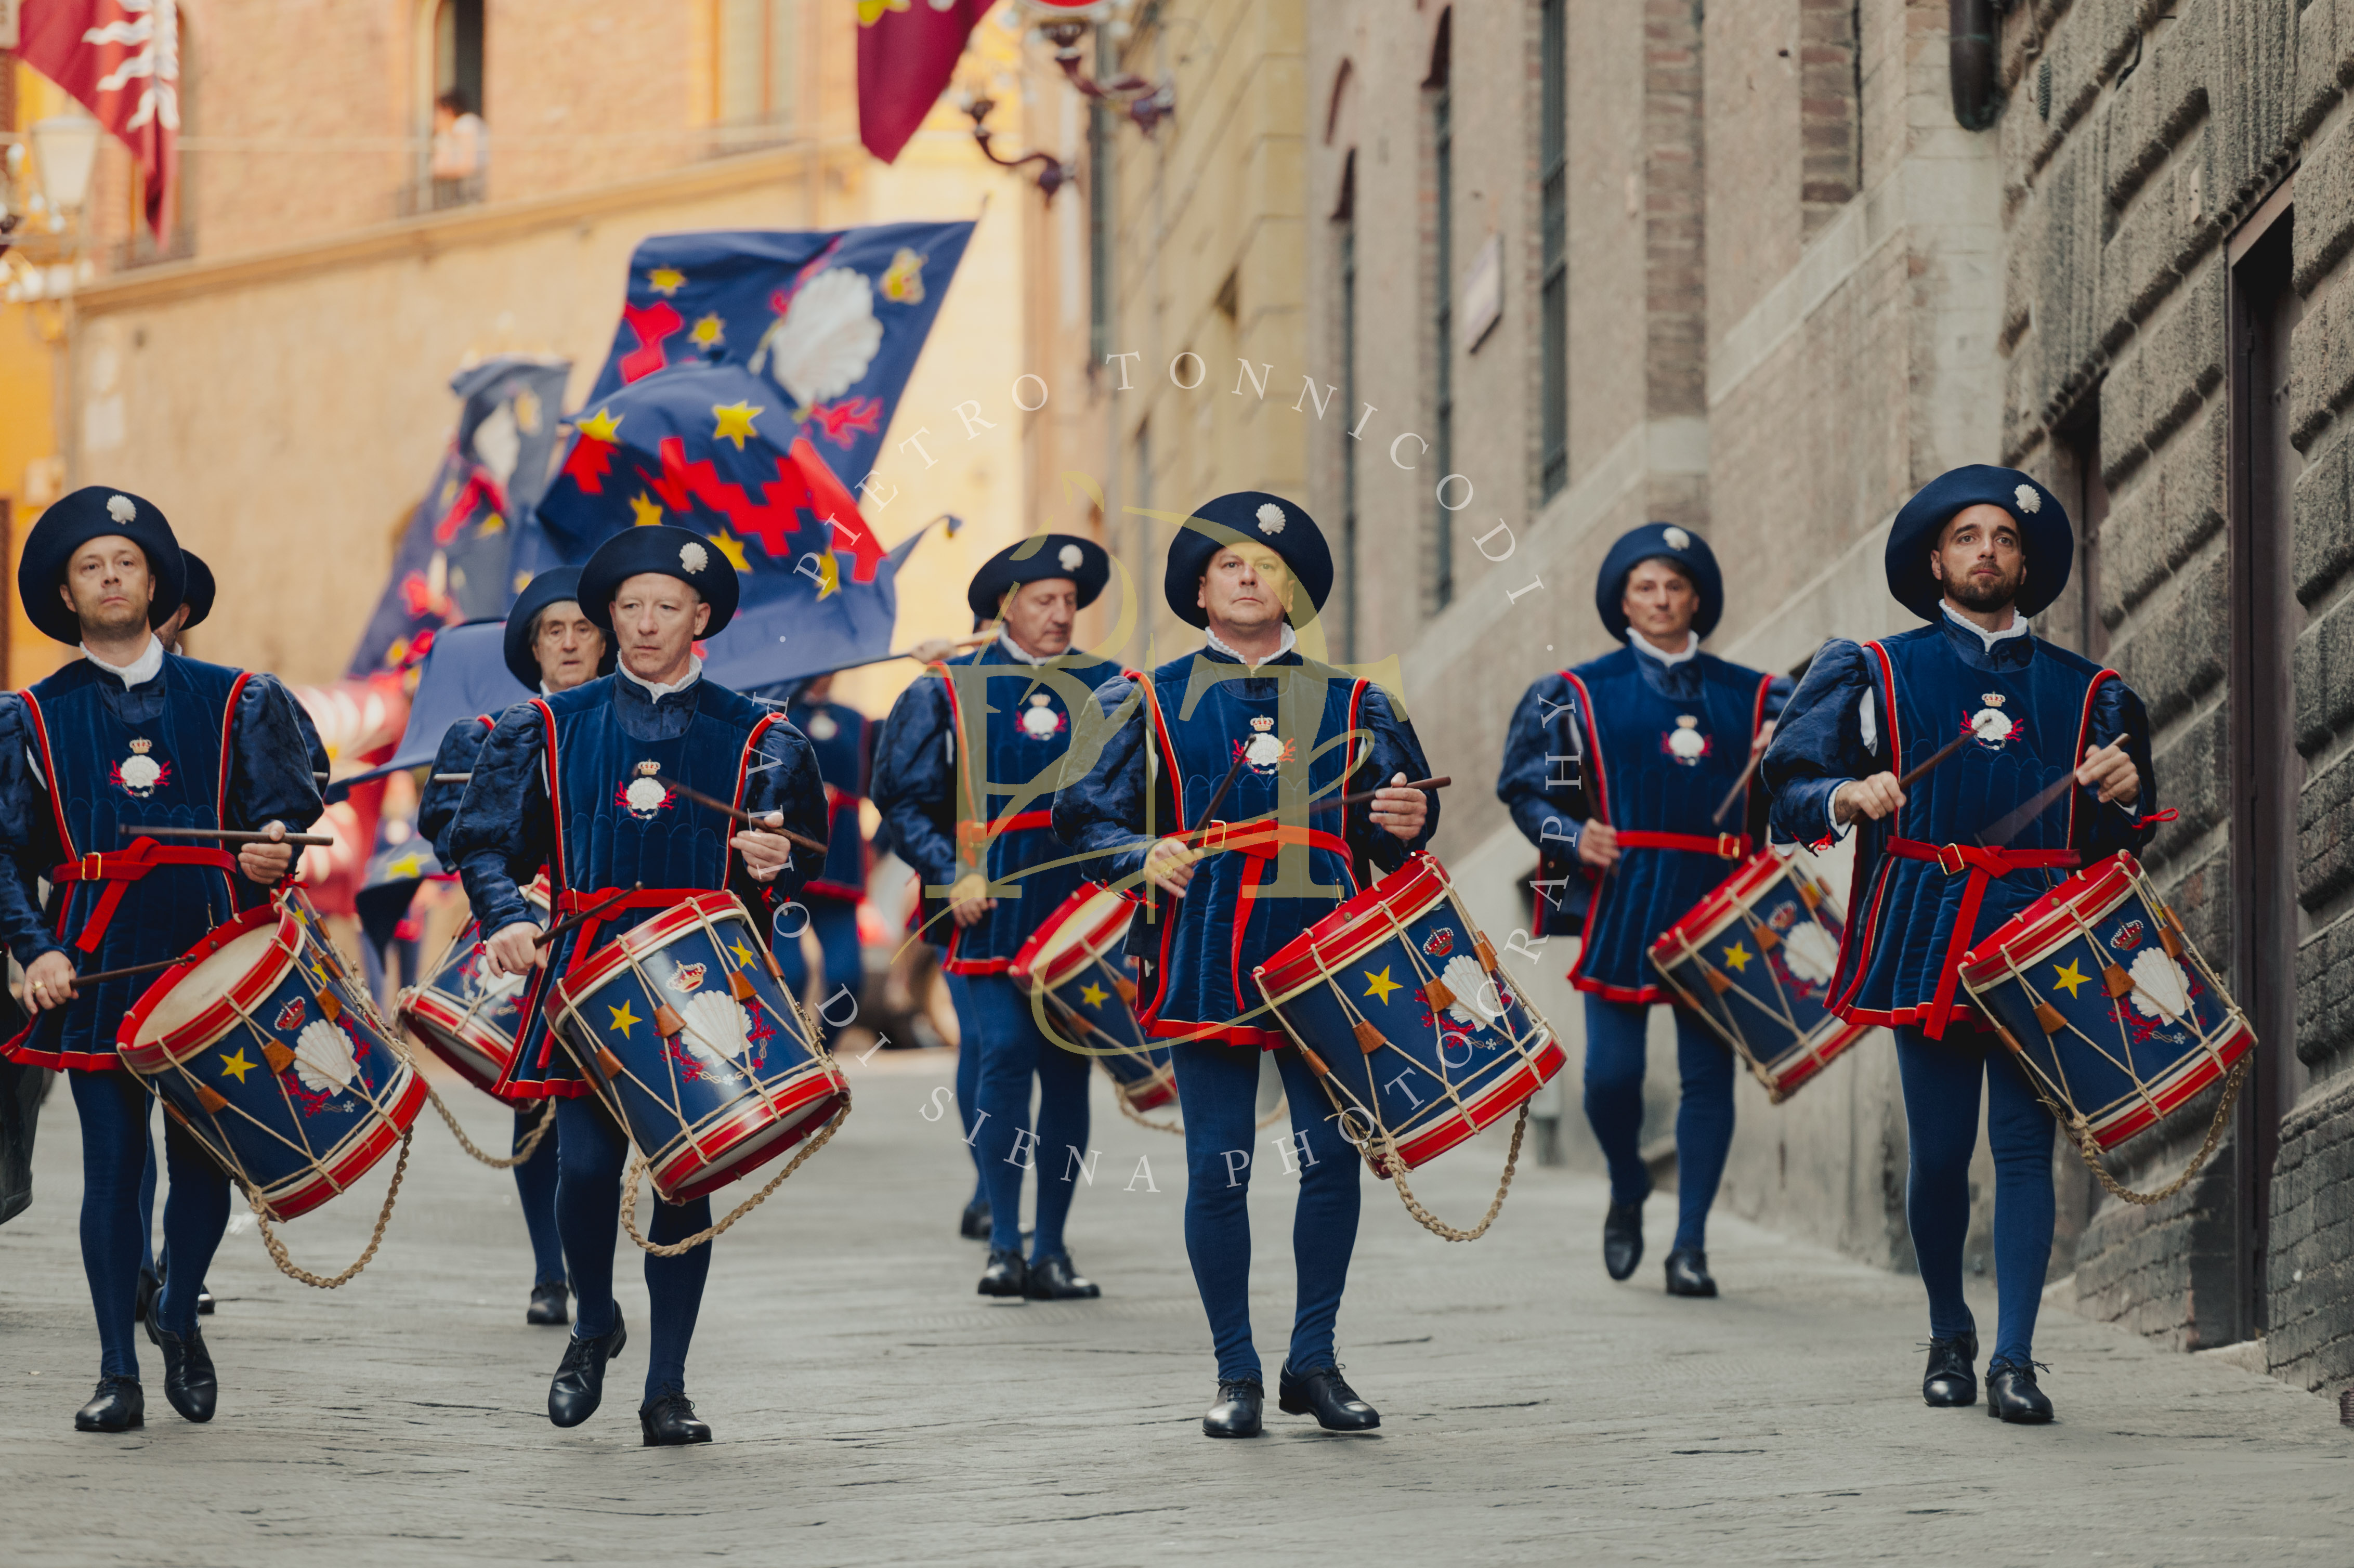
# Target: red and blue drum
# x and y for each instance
(1416, 1033)
(727, 1074)
(465, 1011)
(1073, 968)
(2112, 1012)
(267, 1048)
(1754, 960)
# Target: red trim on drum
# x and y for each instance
(1482, 1110)
(1355, 928)
(322, 1185)
(2195, 1072)
(824, 1088)
(2093, 893)
(241, 997)
(443, 1028)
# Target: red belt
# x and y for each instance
(1982, 863)
(1729, 846)
(1264, 841)
(123, 867)
(971, 833)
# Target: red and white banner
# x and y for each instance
(121, 59)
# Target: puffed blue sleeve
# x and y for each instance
(275, 754)
(1539, 780)
(1394, 749)
(436, 804)
(782, 776)
(1099, 809)
(500, 836)
(1778, 693)
(913, 784)
(1819, 743)
(27, 838)
(2118, 716)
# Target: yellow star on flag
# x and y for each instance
(735, 421)
(1094, 995)
(601, 425)
(708, 331)
(1379, 986)
(645, 511)
(828, 575)
(1736, 959)
(2068, 979)
(871, 11)
(238, 1066)
(624, 1019)
(733, 548)
(666, 280)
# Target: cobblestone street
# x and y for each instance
(869, 1408)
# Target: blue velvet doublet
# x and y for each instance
(198, 746)
(1015, 718)
(2030, 711)
(609, 824)
(436, 804)
(1664, 745)
(841, 737)
(1155, 749)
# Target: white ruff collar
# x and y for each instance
(655, 693)
(140, 670)
(1218, 645)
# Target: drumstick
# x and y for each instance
(2003, 832)
(235, 836)
(453, 778)
(1440, 782)
(1934, 758)
(1218, 798)
(583, 917)
(1756, 755)
(747, 818)
(134, 969)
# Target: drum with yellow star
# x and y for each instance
(464, 1010)
(2114, 1015)
(268, 1048)
(1073, 969)
(1754, 960)
(684, 1029)
(1398, 1004)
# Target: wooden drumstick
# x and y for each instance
(1756, 755)
(234, 836)
(80, 981)
(1438, 783)
(1934, 758)
(2003, 832)
(813, 845)
(1218, 796)
(581, 917)
(453, 778)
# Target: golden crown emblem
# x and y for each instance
(143, 745)
(1262, 723)
(1991, 699)
(649, 768)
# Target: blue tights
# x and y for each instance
(114, 1110)
(835, 922)
(999, 1026)
(1941, 1119)
(1217, 1090)
(967, 1098)
(536, 1180)
(1615, 1055)
(591, 1152)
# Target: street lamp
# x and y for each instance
(67, 146)
(1065, 24)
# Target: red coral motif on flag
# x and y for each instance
(588, 462)
(850, 417)
(481, 496)
(651, 323)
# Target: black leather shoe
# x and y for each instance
(2011, 1394)
(151, 1285)
(1951, 1379)
(1322, 1390)
(669, 1421)
(1242, 1401)
(189, 1379)
(1005, 1275)
(1688, 1273)
(549, 1304)
(1054, 1279)
(117, 1406)
(1622, 1239)
(580, 1385)
(975, 1227)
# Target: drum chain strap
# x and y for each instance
(680, 1248)
(1140, 1120)
(384, 1217)
(524, 1150)
(1431, 1222)
(2090, 1148)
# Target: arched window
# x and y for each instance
(756, 71)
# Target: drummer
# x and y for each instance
(1975, 553)
(1666, 732)
(941, 801)
(1250, 709)
(131, 735)
(654, 591)
(551, 646)
(844, 740)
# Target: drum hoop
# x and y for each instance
(1120, 913)
(1732, 896)
(1420, 879)
(823, 1072)
(1728, 1025)
(169, 1049)
(2119, 878)
(589, 970)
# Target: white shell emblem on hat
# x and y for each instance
(822, 727)
(694, 557)
(2029, 501)
(1039, 720)
(1685, 742)
(1270, 518)
(1071, 556)
(121, 508)
(1676, 538)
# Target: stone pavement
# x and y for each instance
(870, 1408)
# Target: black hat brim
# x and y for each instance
(664, 551)
(1652, 542)
(1036, 559)
(2046, 535)
(559, 586)
(1233, 520)
(74, 521)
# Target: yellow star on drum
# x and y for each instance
(2068, 979)
(1093, 994)
(1736, 959)
(1379, 986)
(236, 1067)
(624, 1019)
(743, 954)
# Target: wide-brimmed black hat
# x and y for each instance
(2044, 533)
(1245, 517)
(95, 512)
(561, 585)
(197, 594)
(1041, 557)
(678, 553)
(1659, 542)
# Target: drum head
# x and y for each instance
(198, 988)
(1102, 915)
